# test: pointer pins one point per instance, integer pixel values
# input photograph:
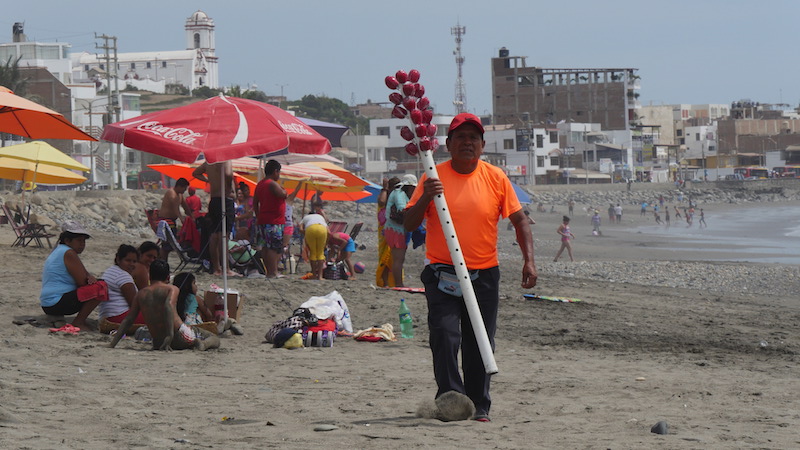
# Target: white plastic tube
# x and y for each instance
(485, 347)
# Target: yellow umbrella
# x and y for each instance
(26, 171)
(42, 158)
(42, 152)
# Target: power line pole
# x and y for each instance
(460, 100)
(109, 104)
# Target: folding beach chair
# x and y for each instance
(164, 232)
(27, 232)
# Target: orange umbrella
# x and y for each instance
(23, 117)
(242, 173)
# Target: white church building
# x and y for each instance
(195, 67)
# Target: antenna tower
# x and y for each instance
(460, 100)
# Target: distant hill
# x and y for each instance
(151, 102)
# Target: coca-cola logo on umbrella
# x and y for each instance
(182, 135)
(295, 128)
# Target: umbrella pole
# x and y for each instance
(305, 194)
(224, 242)
(33, 184)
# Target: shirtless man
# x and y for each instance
(220, 178)
(170, 212)
(158, 303)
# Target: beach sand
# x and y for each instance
(716, 362)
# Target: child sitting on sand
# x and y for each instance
(189, 309)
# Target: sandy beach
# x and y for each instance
(693, 337)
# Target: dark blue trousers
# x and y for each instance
(451, 330)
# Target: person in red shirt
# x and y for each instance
(269, 205)
(478, 195)
(194, 202)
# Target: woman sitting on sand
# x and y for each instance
(121, 288)
(189, 309)
(148, 252)
(64, 273)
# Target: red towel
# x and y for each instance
(96, 291)
(190, 234)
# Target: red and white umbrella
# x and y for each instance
(219, 128)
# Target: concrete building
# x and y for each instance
(194, 67)
(608, 96)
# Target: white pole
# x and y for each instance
(224, 241)
(456, 255)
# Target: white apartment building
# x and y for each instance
(194, 67)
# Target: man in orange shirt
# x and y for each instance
(478, 195)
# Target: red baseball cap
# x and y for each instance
(463, 118)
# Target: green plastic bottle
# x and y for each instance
(406, 323)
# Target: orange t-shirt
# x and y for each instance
(476, 202)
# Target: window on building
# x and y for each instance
(554, 161)
(103, 67)
(197, 40)
(679, 132)
(525, 80)
(85, 67)
(133, 65)
(163, 64)
(539, 141)
(382, 131)
(132, 157)
(148, 65)
(554, 137)
(540, 161)
(578, 113)
(508, 144)
(697, 136)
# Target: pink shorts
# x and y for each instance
(395, 239)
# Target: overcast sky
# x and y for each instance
(700, 51)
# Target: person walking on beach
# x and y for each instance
(618, 213)
(702, 221)
(566, 235)
(643, 211)
(611, 214)
(571, 206)
(657, 216)
(677, 212)
(477, 193)
(596, 223)
(666, 216)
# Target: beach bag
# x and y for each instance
(334, 271)
(97, 291)
(296, 323)
(321, 335)
(331, 306)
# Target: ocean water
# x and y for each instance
(764, 234)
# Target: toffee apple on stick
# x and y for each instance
(410, 102)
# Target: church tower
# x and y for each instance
(200, 38)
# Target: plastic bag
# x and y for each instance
(333, 306)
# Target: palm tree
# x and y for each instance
(11, 78)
